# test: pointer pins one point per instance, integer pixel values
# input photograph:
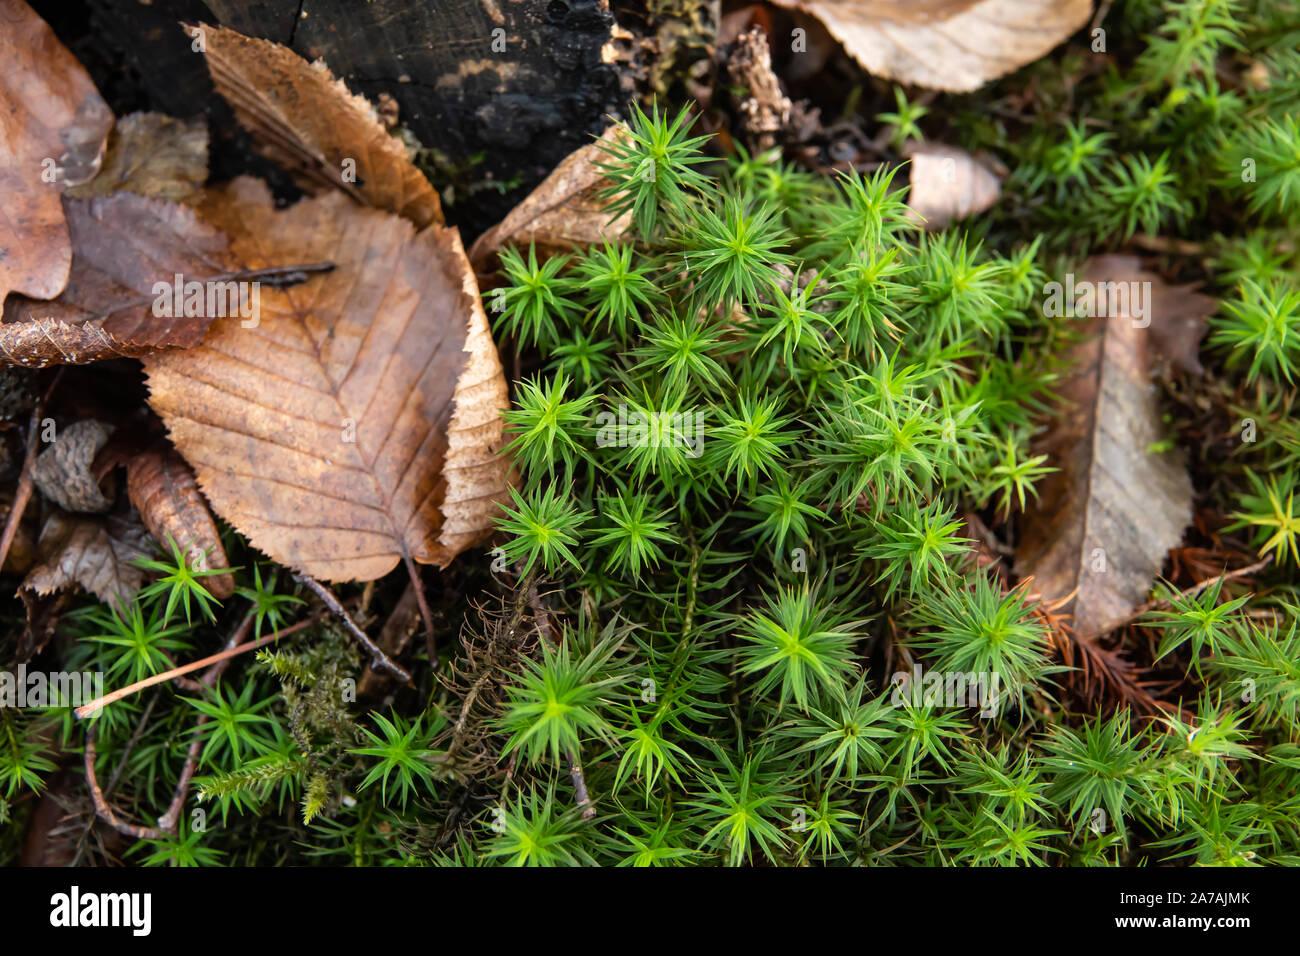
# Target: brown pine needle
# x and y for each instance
(85, 710)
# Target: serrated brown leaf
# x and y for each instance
(1103, 524)
(90, 552)
(310, 123)
(953, 45)
(124, 244)
(948, 184)
(564, 212)
(53, 125)
(154, 155)
(165, 492)
(360, 421)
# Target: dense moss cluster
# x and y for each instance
(769, 448)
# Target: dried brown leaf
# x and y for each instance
(93, 553)
(155, 155)
(948, 184)
(360, 421)
(53, 125)
(131, 255)
(309, 123)
(1104, 523)
(954, 45)
(1179, 315)
(564, 211)
(124, 244)
(165, 492)
(41, 342)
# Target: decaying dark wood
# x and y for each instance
(503, 89)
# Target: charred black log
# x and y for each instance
(497, 91)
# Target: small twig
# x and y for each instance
(1167, 245)
(26, 479)
(117, 775)
(378, 659)
(1102, 10)
(394, 637)
(103, 809)
(85, 710)
(430, 638)
(237, 638)
(1196, 589)
(171, 816)
(277, 277)
(542, 615)
(167, 822)
(580, 787)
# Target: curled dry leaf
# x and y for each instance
(1178, 313)
(96, 554)
(948, 184)
(163, 489)
(1105, 521)
(309, 123)
(124, 245)
(360, 421)
(147, 275)
(954, 45)
(53, 125)
(64, 472)
(564, 211)
(41, 342)
(155, 155)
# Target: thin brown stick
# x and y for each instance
(1196, 589)
(167, 823)
(430, 638)
(580, 787)
(26, 479)
(22, 495)
(103, 809)
(277, 277)
(237, 638)
(1167, 245)
(1102, 10)
(394, 636)
(542, 615)
(134, 739)
(378, 659)
(85, 710)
